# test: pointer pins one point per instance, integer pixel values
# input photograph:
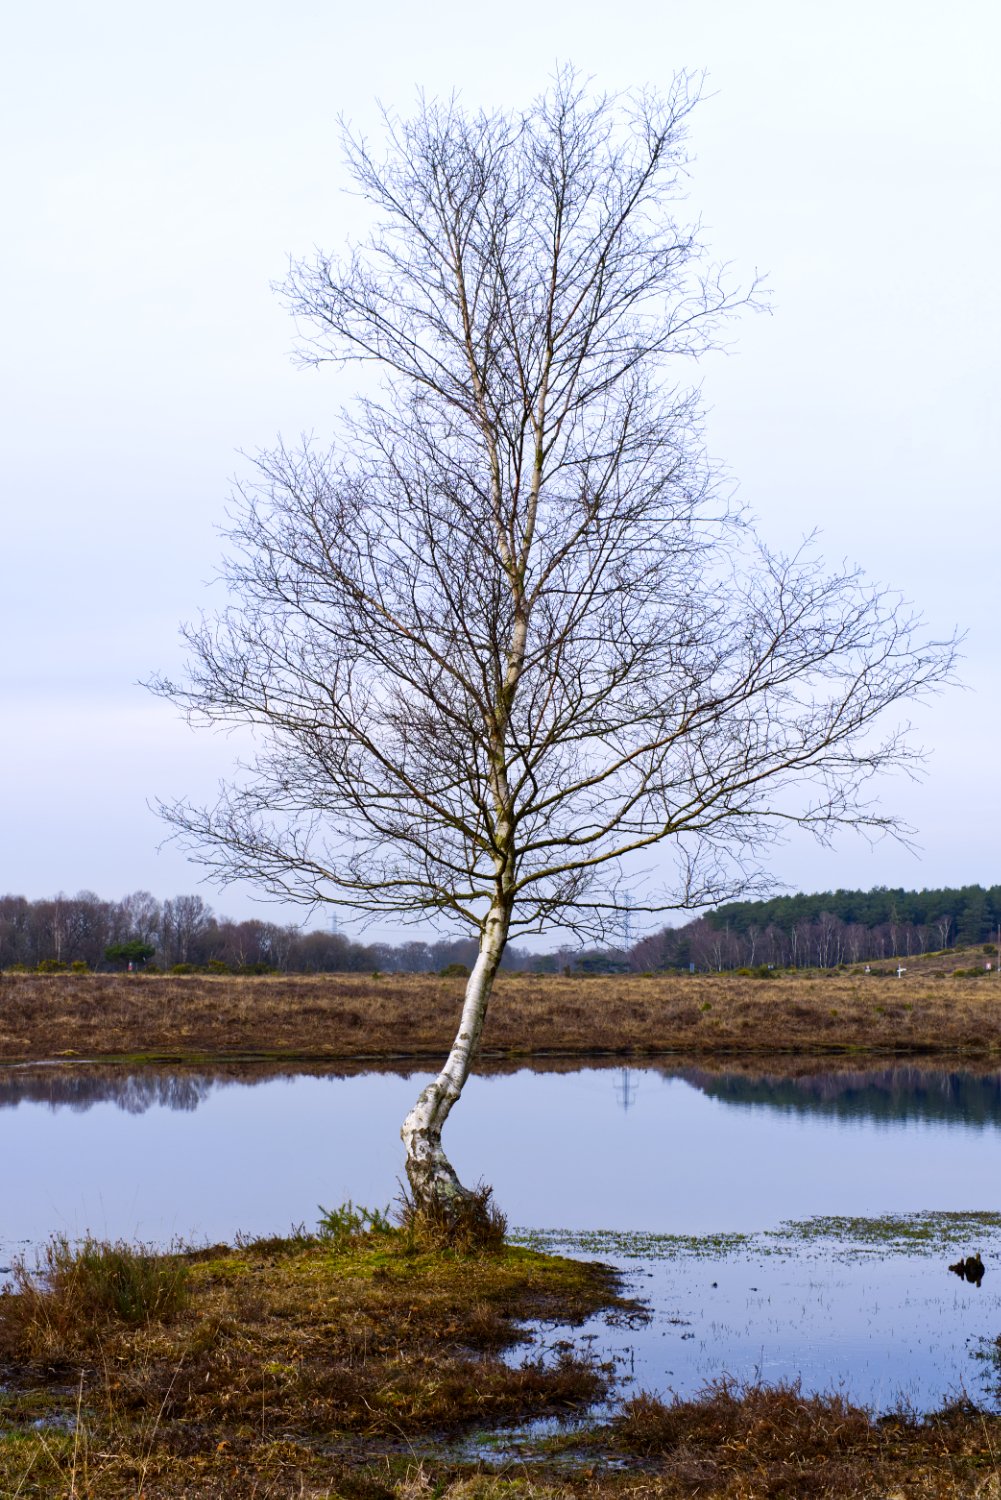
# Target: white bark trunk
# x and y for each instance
(431, 1174)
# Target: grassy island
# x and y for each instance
(281, 1366)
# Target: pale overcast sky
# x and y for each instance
(162, 164)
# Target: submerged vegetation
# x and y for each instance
(897, 1234)
(626, 1244)
(844, 1237)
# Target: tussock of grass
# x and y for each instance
(469, 1222)
(777, 1424)
(773, 1441)
(77, 1291)
(422, 1483)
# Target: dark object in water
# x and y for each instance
(970, 1269)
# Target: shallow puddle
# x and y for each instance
(868, 1308)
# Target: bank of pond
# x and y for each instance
(379, 1017)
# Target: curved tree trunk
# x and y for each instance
(431, 1175)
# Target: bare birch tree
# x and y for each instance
(508, 634)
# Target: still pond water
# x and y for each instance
(778, 1228)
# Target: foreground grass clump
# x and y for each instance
(772, 1431)
(775, 1442)
(473, 1222)
(282, 1362)
(77, 1292)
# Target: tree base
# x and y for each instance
(466, 1220)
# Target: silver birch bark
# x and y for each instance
(431, 1175)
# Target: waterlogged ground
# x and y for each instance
(780, 1227)
(867, 1307)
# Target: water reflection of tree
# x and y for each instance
(132, 1092)
(136, 1090)
(893, 1094)
(903, 1092)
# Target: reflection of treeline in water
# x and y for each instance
(888, 1096)
(134, 1093)
(75, 1087)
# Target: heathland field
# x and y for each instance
(350, 1016)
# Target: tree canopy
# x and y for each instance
(508, 633)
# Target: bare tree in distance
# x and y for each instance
(510, 634)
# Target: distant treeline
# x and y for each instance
(827, 929)
(969, 914)
(184, 931)
(809, 931)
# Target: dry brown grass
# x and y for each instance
(472, 1221)
(78, 1292)
(289, 1360)
(341, 1017)
(774, 1442)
